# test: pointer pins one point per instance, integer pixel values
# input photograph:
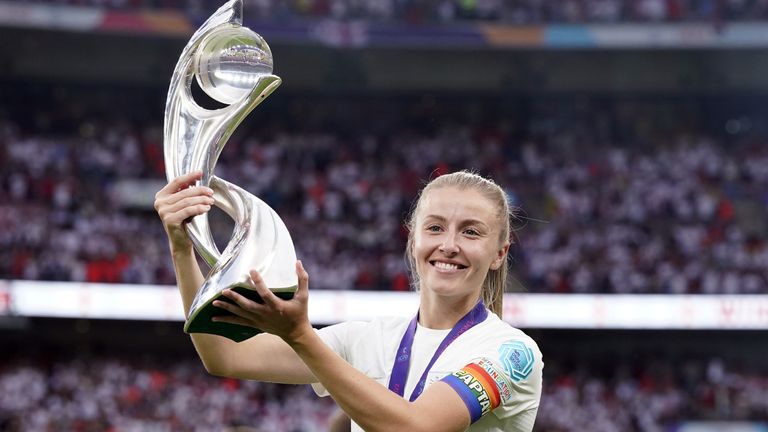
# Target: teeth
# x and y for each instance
(446, 266)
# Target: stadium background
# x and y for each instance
(632, 133)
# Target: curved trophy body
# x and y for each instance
(233, 65)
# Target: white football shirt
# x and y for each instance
(495, 368)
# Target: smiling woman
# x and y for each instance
(462, 220)
(455, 366)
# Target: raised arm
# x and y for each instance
(264, 357)
(370, 404)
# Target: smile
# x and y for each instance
(441, 265)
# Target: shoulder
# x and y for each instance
(495, 333)
(508, 364)
(515, 351)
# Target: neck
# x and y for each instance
(441, 313)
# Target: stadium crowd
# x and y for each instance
(103, 394)
(684, 215)
(651, 398)
(512, 12)
(108, 393)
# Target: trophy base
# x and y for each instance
(201, 322)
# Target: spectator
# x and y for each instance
(682, 217)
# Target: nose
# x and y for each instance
(449, 246)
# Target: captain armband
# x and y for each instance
(484, 384)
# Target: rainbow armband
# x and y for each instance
(476, 387)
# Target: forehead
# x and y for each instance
(457, 203)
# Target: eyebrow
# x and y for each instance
(463, 222)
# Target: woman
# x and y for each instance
(453, 367)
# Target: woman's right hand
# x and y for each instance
(180, 201)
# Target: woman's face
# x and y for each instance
(456, 241)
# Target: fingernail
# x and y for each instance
(209, 190)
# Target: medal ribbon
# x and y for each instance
(403, 356)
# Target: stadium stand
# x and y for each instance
(420, 11)
(598, 217)
(153, 394)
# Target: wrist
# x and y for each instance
(300, 336)
(181, 250)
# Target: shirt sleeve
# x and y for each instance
(337, 338)
(505, 380)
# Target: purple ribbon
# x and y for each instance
(403, 356)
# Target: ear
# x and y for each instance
(500, 257)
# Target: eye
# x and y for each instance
(434, 228)
(472, 232)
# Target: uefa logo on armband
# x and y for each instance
(517, 358)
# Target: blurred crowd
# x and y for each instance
(107, 393)
(664, 222)
(113, 394)
(651, 398)
(442, 11)
(686, 214)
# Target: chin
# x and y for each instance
(447, 289)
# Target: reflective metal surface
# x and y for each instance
(234, 66)
(230, 62)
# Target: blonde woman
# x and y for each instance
(454, 366)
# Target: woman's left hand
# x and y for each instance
(287, 319)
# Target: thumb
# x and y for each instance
(303, 291)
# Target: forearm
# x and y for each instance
(177, 202)
(304, 357)
(189, 278)
(265, 357)
(371, 405)
(212, 349)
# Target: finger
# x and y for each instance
(181, 182)
(235, 308)
(169, 205)
(227, 306)
(266, 294)
(303, 291)
(245, 304)
(190, 192)
(162, 202)
(185, 214)
(187, 202)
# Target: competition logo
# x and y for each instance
(476, 388)
(502, 382)
(517, 358)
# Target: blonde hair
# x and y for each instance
(495, 281)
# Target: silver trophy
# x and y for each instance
(232, 65)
